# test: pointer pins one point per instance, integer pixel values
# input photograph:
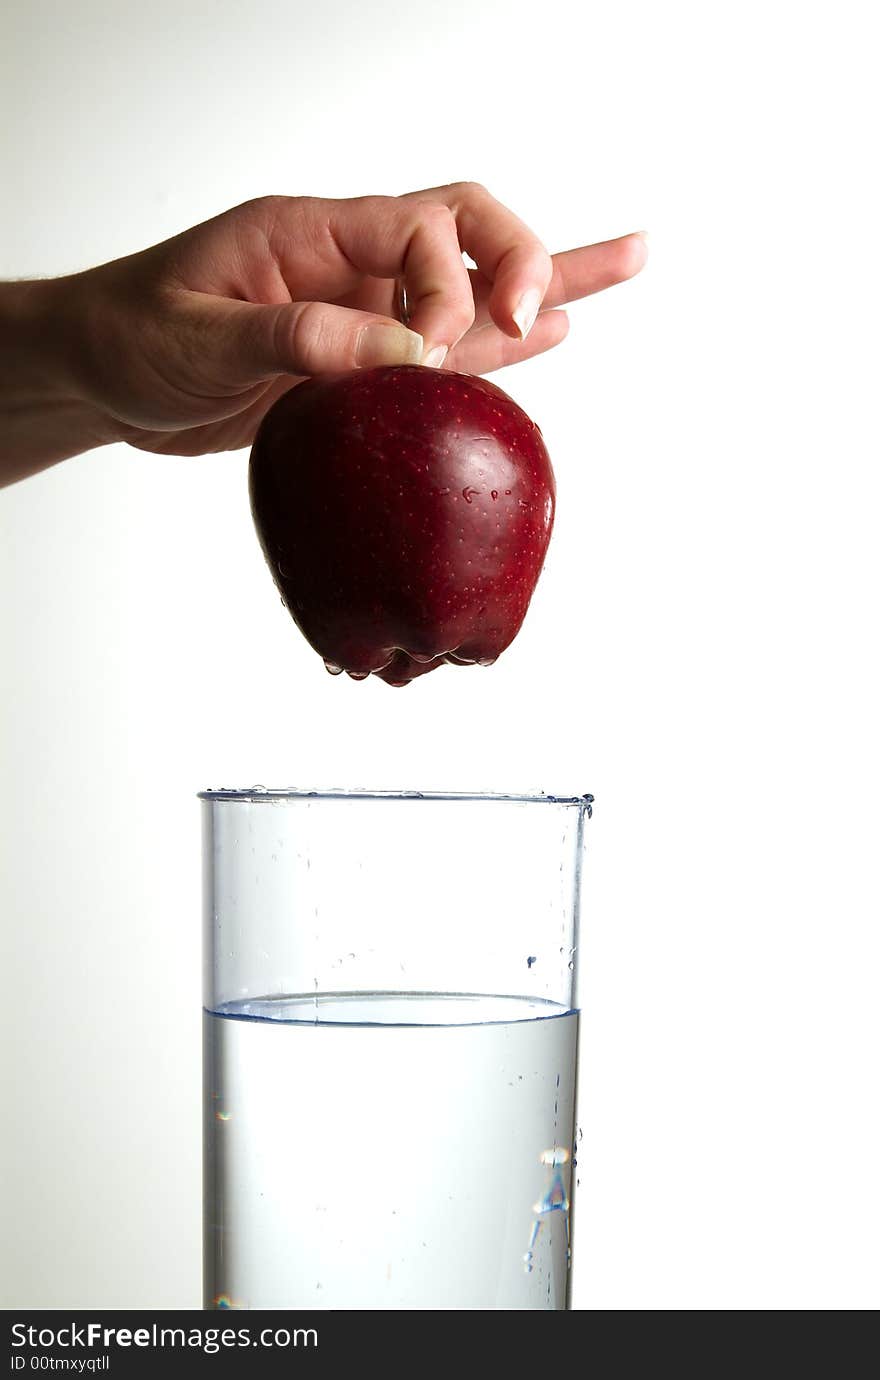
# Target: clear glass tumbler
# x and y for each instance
(390, 1049)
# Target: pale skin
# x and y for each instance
(183, 347)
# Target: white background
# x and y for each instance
(701, 653)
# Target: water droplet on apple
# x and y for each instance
(332, 667)
(355, 675)
(468, 494)
(494, 493)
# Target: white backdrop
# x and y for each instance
(701, 653)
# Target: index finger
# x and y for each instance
(414, 241)
(508, 254)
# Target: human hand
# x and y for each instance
(182, 348)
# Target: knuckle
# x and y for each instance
(469, 190)
(308, 336)
(435, 214)
(378, 203)
(271, 203)
(464, 315)
(382, 212)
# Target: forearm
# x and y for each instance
(43, 416)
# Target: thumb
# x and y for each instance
(250, 343)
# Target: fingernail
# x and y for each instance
(526, 312)
(433, 358)
(643, 235)
(380, 344)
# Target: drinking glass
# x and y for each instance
(390, 1048)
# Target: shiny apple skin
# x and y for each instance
(405, 514)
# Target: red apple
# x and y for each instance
(405, 515)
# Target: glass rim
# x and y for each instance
(257, 794)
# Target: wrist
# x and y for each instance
(44, 413)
